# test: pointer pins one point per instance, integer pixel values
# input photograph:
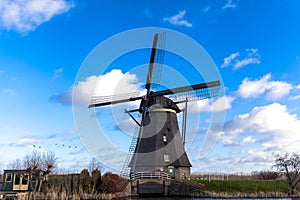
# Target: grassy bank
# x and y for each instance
(244, 186)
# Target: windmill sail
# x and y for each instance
(151, 64)
(114, 99)
(202, 86)
(159, 60)
(193, 92)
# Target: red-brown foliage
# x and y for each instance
(114, 183)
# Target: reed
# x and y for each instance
(63, 195)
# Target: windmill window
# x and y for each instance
(166, 158)
(8, 177)
(165, 138)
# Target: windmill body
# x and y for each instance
(159, 146)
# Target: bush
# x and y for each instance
(114, 183)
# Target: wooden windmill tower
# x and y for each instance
(159, 145)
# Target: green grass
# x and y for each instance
(245, 186)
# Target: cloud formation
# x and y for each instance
(26, 141)
(273, 121)
(229, 4)
(265, 85)
(178, 19)
(206, 105)
(24, 16)
(206, 8)
(112, 83)
(294, 97)
(251, 57)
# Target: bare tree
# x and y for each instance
(32, 161)
(265, 175)
(37, 161)
(290, 167)
(16, 164)
(39, 166)
(48, 162)
(94, 164)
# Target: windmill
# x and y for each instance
(158, 146)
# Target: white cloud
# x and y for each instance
(246, 61)
(272, 120)
(27, 141)
(205, 9)
(249, 139)
(294, 97)
(256, 88)
(228, 60)
(222, 103)
(205, 105)
(229, 4)
(251, 57)
(112, 83)
(298, 87)
(24, 16)
(57, 73)
(178, 19)
(127, 125)
(256, 156)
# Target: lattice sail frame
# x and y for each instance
(195, 95)
(159, 60)
(114, 98)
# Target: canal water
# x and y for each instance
(186, 198)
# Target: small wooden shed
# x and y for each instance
(20, 180)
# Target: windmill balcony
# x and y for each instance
(150, 175)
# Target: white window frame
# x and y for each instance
(167, 158)
(6, 176)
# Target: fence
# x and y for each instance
(226, 176)
(154, 175)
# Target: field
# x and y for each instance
(245, 186)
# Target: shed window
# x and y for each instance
(17, 179)
(8, 177)
(25, 180)
(34, 177)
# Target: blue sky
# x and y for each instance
(254, 44)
